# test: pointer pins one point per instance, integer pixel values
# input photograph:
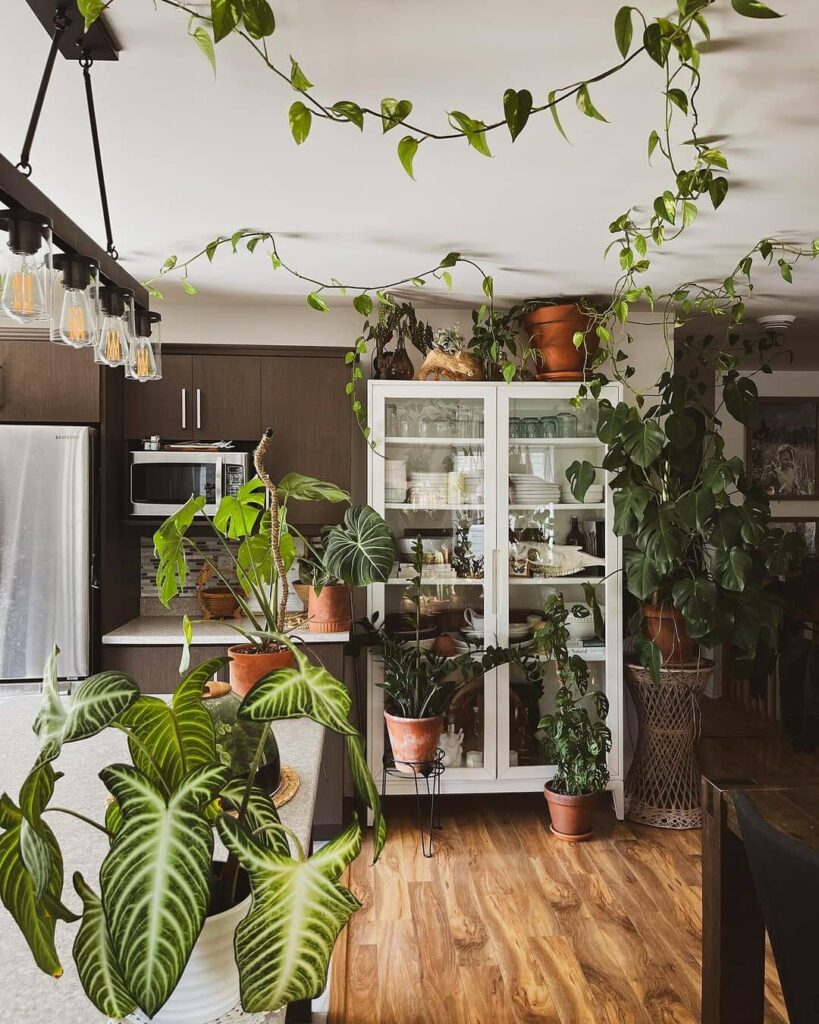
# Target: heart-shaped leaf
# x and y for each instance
(225, 15)
(361, 550)
(753, 9)
(407, 148)
(517, 106)
(155, 878)
(96, 703)
(581, 476)
(393, 112)
(283, 946)
(623, 30)
(259, 20)
(300, 121)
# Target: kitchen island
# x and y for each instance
(166, 630)
(29, 996)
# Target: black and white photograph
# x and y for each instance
(782, 447)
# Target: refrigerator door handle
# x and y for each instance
(184, 408)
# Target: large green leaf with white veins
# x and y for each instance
(35, 917)
(310, 691)
(169, 545)
(283, 946)
(155, 878)
(171, 738)
(96, 703)
(97, 966)
(361, 550)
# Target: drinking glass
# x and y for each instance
(515, 426)
(392, 421)
(531, 427)
(566, 424)
(548, 426)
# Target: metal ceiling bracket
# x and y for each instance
(99, 42)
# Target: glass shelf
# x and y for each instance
(552, 581)
(557, 442)
(433, 442)
(454, 581)
(557, 506)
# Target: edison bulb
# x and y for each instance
(23, 297)
(112, 348)
(77, 327)
(143, 363)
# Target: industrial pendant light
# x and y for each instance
(145, 362)
(117, 329)
(26, 273)
(76, 300)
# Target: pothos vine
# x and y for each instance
(676, 44)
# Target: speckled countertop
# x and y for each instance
(167, 629)
(28, 996)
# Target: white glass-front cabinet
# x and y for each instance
(479, 472)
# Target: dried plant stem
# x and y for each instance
(275, 525)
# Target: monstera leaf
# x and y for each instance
(96, 703)
(283, 946)
(168, 739)
(310, 691)
(155, 878)
(169, 545)
(99, 971)
(36, 916)
(297, 487)
(237, 514)
(361, 550)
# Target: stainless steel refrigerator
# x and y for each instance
(46, 541)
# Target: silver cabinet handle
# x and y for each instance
(198, 408)
(184, 408)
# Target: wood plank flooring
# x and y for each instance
(508, 924)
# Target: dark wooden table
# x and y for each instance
(733, 932)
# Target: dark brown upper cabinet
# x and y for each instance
(45, 383)
(163, 407)
(200, 398)
(304, 401)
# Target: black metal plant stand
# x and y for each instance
(427, 778)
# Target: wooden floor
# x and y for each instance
(506, 923)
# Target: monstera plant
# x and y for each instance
(703, 547)
(159, 881)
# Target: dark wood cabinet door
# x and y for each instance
(164, 407)
(226, 398)
(303, 400)
(45, 383)
(156, 668)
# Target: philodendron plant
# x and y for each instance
(701, 528)
(159, 880)
(358, 551)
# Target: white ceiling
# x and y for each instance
(188, 156)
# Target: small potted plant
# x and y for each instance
(360, 550)
(170, 930)
(560, 333)
(495, 340)
(578, 742)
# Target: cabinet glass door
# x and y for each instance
(433, 477)
(549, 543)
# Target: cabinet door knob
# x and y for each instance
(184, 408)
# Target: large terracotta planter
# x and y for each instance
(666, 627)
(551, 331)
(209, 986)
(571, 815)
(247, 666)
(329, 610)
(663, 782)
(413, 740)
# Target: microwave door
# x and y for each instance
(161, 486)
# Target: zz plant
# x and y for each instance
(578, 743)
(159, 878)
(701, 528)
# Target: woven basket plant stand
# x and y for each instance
(663, 783)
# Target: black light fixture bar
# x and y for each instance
(17, 190)
(98, 43)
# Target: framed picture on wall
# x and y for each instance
(805, 527)
(782, 444)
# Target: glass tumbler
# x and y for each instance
(515, 426)
(531, 427)
(566, 424)
(548, 426)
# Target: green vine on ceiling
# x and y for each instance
(669, 42)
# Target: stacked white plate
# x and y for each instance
(476, 539)
(594, 495)
(528, 489)
(426, 488)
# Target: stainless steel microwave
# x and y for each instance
(161, 482)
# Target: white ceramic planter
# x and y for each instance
(209, 985)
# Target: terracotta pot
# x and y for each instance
(551, 331)
(413, 739)
(329, 611)
(247, 666)
(666, 627)
(571, 815)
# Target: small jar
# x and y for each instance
(515, 425)
(531, 426)
(548, 426)
(566, 424)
